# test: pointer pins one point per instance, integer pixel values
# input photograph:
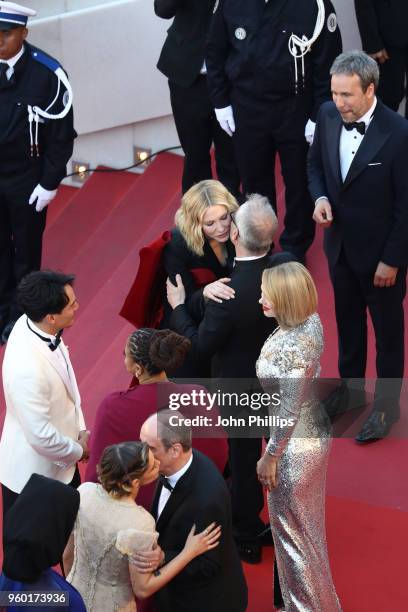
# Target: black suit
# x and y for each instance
(370, 211)
(383, 24)
(234, 332)
(214, 581)
(181, 60)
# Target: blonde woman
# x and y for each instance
(293, 467)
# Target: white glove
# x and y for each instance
(225, 118)
(43, 197)
(309, 131)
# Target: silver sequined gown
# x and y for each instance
(297, 504)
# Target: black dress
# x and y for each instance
(196, 271)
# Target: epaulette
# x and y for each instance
(45, 60)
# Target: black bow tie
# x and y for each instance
(52, 344)
(165, 483)
(355, 125)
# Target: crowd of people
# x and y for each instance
(166, 510)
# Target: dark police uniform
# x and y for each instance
(383, 24)
(250, 67)
(181, 60)
(23, 167)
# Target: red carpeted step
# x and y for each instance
(87, 210)
(121, 230)
(59, 204)
(92, 335)
(108, 374)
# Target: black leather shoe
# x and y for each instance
(249, 551)
(265, 537)
(7, 329)
(376, 427)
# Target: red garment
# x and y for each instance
(119, 419)
(143, 306)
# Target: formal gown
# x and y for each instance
(297, 503)
(107, 531)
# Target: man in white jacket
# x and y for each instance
(44, 430)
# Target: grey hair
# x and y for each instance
(359, 63)
(171, 434)
(257, 224)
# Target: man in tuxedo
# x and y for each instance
(358, 179)
(44, 429)
(182, 61)
(191, 491)
(233, 332)
(383, 26)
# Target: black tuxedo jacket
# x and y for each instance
(236, 329)
(370, 209)
(183, 52)
(382, 23)
(213, 582)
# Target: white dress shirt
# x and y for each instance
(172, 480)
(351, 140)
(12, 62)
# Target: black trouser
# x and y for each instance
(197, 129)
(21, 230)
(9, 497)
(393, 78)
(354, 294)
(247, 498)
(265, 127)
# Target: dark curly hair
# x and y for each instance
(158, 350)
(120, 464)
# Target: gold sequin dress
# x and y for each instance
(297, 503)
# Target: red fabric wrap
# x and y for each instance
(143, 306)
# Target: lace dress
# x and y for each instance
(297, 503)
(106, 531)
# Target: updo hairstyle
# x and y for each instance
(158, 350)
(120, 464)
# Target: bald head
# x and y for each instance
(257, 225)
(171, 445)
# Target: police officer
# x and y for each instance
(36, 141)
(268, 67)
(182, 62)
(383, 26)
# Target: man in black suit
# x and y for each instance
(233, 332)
(383, 26)
(192, 491)
(359, 181)
(182, 62)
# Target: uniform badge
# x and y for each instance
(240, 33)
(216, 5)
(332, 22)
(65, 99)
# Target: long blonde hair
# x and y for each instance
(291, 290)
(194, 203)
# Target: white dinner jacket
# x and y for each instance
(44, 414)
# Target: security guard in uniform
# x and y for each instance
(182, 62)
(268, 67)
(36, 142)
(383, 26)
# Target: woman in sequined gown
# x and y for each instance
(294, 465)
(110, 529)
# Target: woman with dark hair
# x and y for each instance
(149, 355)
(111, 527)
(35, 532)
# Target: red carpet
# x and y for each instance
(96, 232)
